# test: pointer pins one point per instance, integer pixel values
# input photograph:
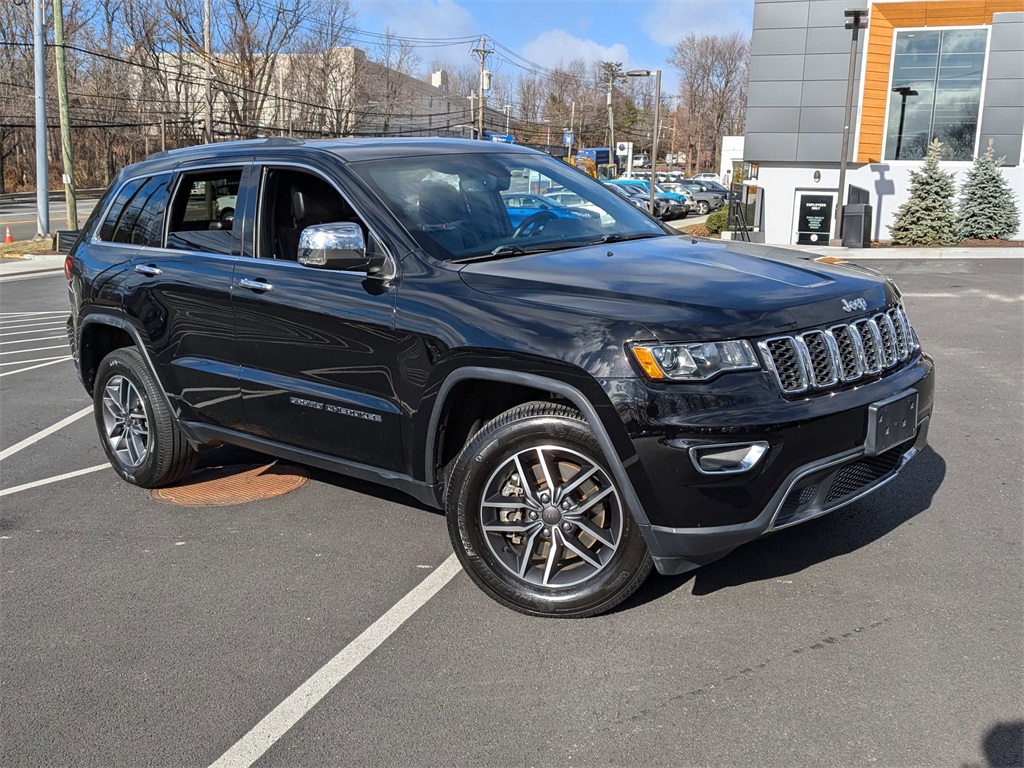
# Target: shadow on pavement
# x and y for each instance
(833, 535)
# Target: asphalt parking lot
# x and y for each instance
(141, 633)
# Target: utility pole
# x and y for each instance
(208, 49)
(572, 122)
(482, 53)
(611, 119)
(71, 203)
(42, 167)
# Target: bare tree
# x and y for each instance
(713, 72)
(325, 75)
(388, 83)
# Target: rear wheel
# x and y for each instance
(537, 519)
(137, 431)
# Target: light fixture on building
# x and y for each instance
(817, 176)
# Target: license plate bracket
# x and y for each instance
(890, 422)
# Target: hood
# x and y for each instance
(684, 288)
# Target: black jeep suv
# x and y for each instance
(587, 393)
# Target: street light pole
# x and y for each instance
(42, 167)
(508, 113)
(856, 20)
(657, 113)
(903, 91)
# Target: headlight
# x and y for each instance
(694, 361)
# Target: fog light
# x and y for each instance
(727, 459)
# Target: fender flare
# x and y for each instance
(102, 318)
(570, 393)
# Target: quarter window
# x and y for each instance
(935, 92)
(142, 220)
(126, 193)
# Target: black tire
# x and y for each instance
(137, 431)
(552, 570)
(703, 209)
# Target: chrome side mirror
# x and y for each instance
(341, 245)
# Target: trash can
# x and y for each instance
(856, 225)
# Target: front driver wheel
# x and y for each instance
(537, 519)
(703, 208)
(138, 432)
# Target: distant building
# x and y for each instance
(338, 92)
(951, 69)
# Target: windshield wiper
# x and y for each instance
(498, 253)
(615, 237)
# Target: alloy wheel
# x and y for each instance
(125, 423)
(551, 516)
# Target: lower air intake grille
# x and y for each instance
(853, 477)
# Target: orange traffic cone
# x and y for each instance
(8, 238)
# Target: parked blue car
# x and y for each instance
(658, 190)
(521, 205)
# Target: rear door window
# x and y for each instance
(202, 211)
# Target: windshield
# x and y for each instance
(459, 207)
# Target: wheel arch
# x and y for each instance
(100, 334)
(541, 383)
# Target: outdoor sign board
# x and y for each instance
(814, 220)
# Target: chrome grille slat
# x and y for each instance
(888, 335)
(899, 324)
(822, 358)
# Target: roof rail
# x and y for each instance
(273, 141)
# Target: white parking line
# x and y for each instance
(29, 314)
(29, 341)
(969, 293)
(33, 349)
(271, 728)
(30, 322)
(34, 329)
(33, 367)
(37, 360)
(54, 479)
(33, 439)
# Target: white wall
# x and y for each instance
(732, 150)
(887, 183)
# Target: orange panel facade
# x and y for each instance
(884, 20)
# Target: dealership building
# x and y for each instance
(946, 69)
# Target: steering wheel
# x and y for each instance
(533, 223)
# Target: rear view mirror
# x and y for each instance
(341, 245)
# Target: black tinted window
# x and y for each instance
(126, 193)
(202, 211)
(142, 220)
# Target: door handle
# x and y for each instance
(255, 285)
(148, 270)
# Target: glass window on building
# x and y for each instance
(935, 92)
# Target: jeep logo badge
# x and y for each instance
(851, 304)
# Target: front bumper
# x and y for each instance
(808, 492)
(817, 460)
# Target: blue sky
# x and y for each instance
(640, 33)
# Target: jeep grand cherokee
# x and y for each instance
(586, 397)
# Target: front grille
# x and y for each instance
(826, 357)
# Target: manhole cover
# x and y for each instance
(224, 486)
